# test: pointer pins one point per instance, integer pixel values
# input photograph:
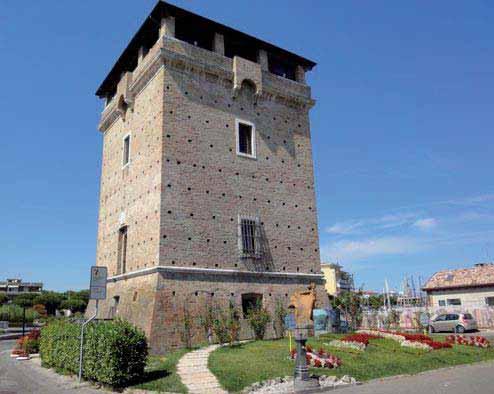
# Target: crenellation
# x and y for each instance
(167, 27)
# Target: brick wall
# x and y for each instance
(131, 195)
(207, 185)
(185, 187)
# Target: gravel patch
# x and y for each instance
(285, 385)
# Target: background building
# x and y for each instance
(207, 187)
(13, 287)
(337, 280)
(462, 288)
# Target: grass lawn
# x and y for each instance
(252, 362)
(161, 374)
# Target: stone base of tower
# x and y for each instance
(167, 303)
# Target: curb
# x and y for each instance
(6, 337)
(429, 371)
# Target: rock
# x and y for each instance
(285, 385)
(346, 381)
(327, 381)
(272, 386)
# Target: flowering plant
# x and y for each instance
(409, 340)
(416, 345)
(477, 340)
(28, 344)
(360, 338)
(340, 343)
(321, 359)
(426, 344)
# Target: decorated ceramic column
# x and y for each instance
(303, 304)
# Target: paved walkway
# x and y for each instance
(194, 372)
(26, 377)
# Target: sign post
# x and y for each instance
(97, 291)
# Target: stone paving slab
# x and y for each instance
(195, 374)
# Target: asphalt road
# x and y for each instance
(467, 379)
(25, 377)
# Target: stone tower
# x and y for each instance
(207, 188)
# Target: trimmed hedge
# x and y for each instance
(115, 352)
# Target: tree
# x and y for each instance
(3, 298)
(81, 294)
(258, 318)
(74, 305)
(40, 310)
(24, 300)
(51, 300)
(376, 301)
(350, 303)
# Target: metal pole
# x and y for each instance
(24, 321)
(81, 355)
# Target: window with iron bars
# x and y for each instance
(249, 237)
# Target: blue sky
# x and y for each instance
(402, 129)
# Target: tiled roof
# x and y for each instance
(480, 275)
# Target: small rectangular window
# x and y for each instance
(126, 150)
(122, 250)
(246, 143)
(442, 303)
(454, 301)
(249, 237)
(489, 301)
(251, 301)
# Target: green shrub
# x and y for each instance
(30, 342)
(186, 332)
(279, 319)
(206, 322)
(233, 324)
(14, 314)
(226, 324)
(220, 327)
(258, 319)
(115, 352)
(30, 346)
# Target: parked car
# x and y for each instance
(455, 322)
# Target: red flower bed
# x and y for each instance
(477, 340)
(437, 345)
(34, 334)
(360, 338)
(421, 338)
(415, 337)
(28, 343)
(321, 359)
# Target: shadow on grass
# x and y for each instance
(150, 376)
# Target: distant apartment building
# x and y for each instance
(462, 288)
(14, 287)
(337, 280)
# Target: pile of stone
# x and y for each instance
(285, 385)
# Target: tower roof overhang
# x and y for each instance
(149, 30)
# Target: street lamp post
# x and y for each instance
(23, 320)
